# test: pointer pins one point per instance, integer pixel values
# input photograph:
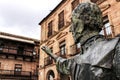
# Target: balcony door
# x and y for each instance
(62, 49)
(17, 69)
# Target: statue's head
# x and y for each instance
(86, 16)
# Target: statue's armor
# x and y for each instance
(83, 67)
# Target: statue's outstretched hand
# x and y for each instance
(46, 49)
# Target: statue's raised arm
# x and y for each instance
(49, 52)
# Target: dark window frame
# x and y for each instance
(50, 28)
(0, 65)
(118, 0)
(107, 31)
(62, 46)
(61, 22)
(97, 1)
(74, 4)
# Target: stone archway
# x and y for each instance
(50, 75)
(64, 77)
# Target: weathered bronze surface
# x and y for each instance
(99, 58)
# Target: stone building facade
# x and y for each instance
(55, 33)
(19, 57)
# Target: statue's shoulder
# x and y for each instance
(97, 53)
(99, 50)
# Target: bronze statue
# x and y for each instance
(99, 58)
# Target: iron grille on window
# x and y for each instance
(106, 30)
(74, 4)
(61, 20)
(62, 48)
(49, 29)
(48, 61)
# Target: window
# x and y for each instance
(107, 28)
(118, 0)
(74, 4)
(94, 1)
(1, 48)
(18, 69)
(61, 20)
(48, 60)
(20, 50)
(62, 48)
(1, 45)
(52, 52)
(0, 65)
(50, 29)
(97, 1)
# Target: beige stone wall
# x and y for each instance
(10, 64)
(113, 13)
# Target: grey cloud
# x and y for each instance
(24, 18)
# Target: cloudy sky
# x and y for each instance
(21, 17)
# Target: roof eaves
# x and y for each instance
(63, 1)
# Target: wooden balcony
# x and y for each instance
(14, 53)
(15, 73)
(12, 74)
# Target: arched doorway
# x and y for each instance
(64, 77)
(50, 75)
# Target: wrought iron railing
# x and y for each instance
(48, 61)
(62, 53)
(107, 31)
(15, 73)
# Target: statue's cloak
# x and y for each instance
(99, 54)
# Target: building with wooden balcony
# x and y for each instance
(19, 57)
(55, 33)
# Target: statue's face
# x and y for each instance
(86, 16)
(76, 28)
